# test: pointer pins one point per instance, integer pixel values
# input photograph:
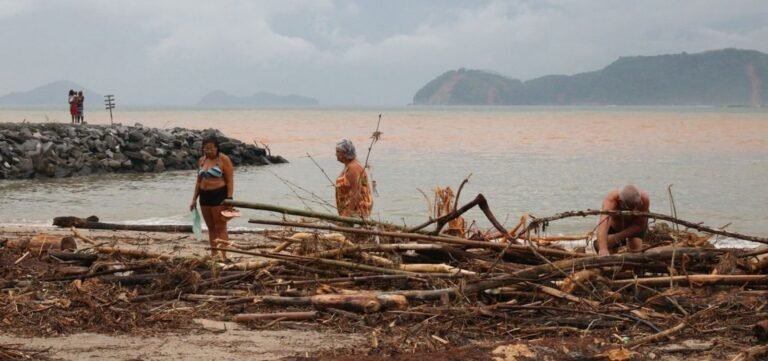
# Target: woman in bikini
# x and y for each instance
(353, 192)
(214, 184)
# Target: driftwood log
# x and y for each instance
(42, 243)
(89, 223)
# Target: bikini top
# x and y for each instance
(214, 171)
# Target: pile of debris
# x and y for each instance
(411, 290)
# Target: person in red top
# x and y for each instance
(73, 105)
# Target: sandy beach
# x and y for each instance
(201, 339)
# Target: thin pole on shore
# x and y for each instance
(322, 170)
(374, 138)
(109, 102)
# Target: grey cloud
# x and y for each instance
(343, 52)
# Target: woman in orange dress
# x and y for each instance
(215, 183)
(353, 192)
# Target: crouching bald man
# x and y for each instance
(614, 231)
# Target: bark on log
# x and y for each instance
(285, 301)
(292, 316)
(72, 270)
(364, 303)
(71, 256)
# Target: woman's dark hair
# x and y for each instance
(71, 92)
(212, 140)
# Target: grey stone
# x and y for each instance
(134, 155)
(159, 166)
(114, 164)
(85, 170)
(134, 146)
(110, 141)
(30, 145)
(25, 133)
(136, 136)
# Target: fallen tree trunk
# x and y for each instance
(42, 243)
(88, 223)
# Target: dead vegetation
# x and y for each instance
(464, 293)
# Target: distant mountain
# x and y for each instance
(720, 77)
(220, 98)
(55, 93)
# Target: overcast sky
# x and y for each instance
(373, 52)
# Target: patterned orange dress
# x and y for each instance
(353, 191)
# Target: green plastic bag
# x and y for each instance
(197, 227)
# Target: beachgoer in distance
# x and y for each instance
(353, 192)
(214, 184)
(73, 105)
(80, 101)
(614, 231)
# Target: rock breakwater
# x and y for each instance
(54, 150)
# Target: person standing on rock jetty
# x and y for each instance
(614, 231)
(80, 101)
(214, 184)
(73, 105)
(353, 192)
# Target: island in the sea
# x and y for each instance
(728, 77)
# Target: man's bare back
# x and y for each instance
(613, 230)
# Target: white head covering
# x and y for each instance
(347, 149)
